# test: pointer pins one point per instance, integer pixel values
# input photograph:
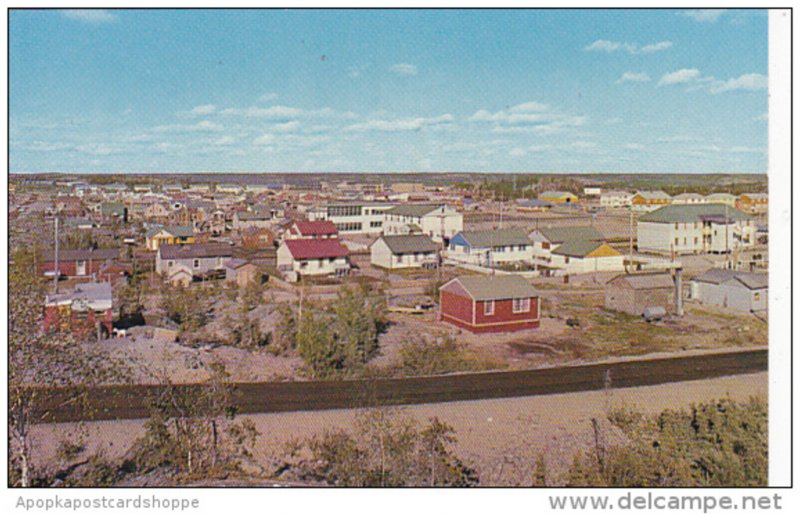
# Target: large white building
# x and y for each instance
(685, 229)
(615, 199)
(437, 221)
(353, 217)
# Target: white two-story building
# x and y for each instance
(437, 221)
(687, 229)
(353, 217)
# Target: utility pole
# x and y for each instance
(55, 269)
(630, 237)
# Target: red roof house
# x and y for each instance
(313, 257)
(501, 303)
(321, 229)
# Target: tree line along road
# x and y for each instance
(130, 401)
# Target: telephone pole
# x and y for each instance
(55, 262)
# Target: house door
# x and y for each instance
(80, 268)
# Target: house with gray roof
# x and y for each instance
(693, 229)
(437, 221)
(569, 250)
(494, 303)
(491, 247)
(200, 258)
(633, 293)
(404, 251)
(729, 289)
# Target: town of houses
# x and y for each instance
(650, 250)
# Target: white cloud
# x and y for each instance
(583, 144)
(704, 15)
(224, 141)
(678, 139)
(289, 126)
(276, 111)
(517, 152)
(203, 109)
(265, 139)
(529, 117)
(401, 125)
(656, 47)
(200, 126)
(748, 82)
(529, 107)
(283, 112)
(93, 16)
(404, 69)
(96, 149)
(633, 146)
(747, 149)
(44, 146)
(681, 76)
(630, 76)
(267, 97)
(604, 45)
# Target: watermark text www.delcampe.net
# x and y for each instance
(650, 501)
(76, 503)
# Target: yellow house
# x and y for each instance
(558, 197)
(182, 235)
(755, 203)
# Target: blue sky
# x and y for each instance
(383, 90)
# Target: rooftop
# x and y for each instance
(646, 280)
(490, 238)
(562, 234)
(415, 210)
(692, 213)
(316, 248)
(495, 287)
(749, 280)
(316, 228)
(195, 251)
(409, 244)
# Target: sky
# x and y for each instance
(155, 91)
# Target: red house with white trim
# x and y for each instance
(500, 303)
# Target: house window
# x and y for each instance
(566, 260)
(488, 307)
(545, 245)
(756, 297)
(695, 240)
(196, 263)
(676, 226)
(170, 263)
(303, 264)
(521, 305)
(676, 241)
